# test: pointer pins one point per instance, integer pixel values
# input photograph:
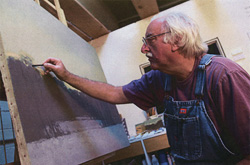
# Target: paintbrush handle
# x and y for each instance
(35, 65)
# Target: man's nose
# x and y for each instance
(144, 48)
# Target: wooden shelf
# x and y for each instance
(135, 149)
(78, 18)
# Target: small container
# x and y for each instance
(154, 160)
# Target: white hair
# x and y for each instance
(184, 33)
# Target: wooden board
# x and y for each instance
(146, 8)
(54, 123)
(52, 10)
(79, 16)
(135, 149)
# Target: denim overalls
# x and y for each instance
(191, 133)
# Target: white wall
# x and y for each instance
(120, 56)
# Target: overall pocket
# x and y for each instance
(184, 136)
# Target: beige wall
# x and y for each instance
(120, 56)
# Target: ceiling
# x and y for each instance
(91, 19)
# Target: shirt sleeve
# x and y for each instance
(233, 103)
(147, 91)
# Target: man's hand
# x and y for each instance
(99, 90)
(56, 65)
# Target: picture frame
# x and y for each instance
(215, 47)
(145, 67)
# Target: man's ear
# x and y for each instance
(174, 47)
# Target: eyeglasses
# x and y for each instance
(144, 40)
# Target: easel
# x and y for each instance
(57, 146)
(57, 8)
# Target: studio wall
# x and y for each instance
(120, 55)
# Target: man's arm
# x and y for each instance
(99, 90)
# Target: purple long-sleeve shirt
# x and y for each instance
(226, 97)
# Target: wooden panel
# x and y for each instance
(146, 8)
(101, 12)
(49, 7)
(53, 122)
(52, 10)
(79, 32)
(78, 15)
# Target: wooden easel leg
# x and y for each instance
(60, 12)
(16, 156)
(37, 1)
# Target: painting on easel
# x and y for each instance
(53, 122)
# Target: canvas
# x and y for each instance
(53, 122)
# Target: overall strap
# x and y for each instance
(201, 76)
(167, 85)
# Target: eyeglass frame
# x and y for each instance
(144, 40)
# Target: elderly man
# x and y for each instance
(206, 97)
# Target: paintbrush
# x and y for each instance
(36, 65)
